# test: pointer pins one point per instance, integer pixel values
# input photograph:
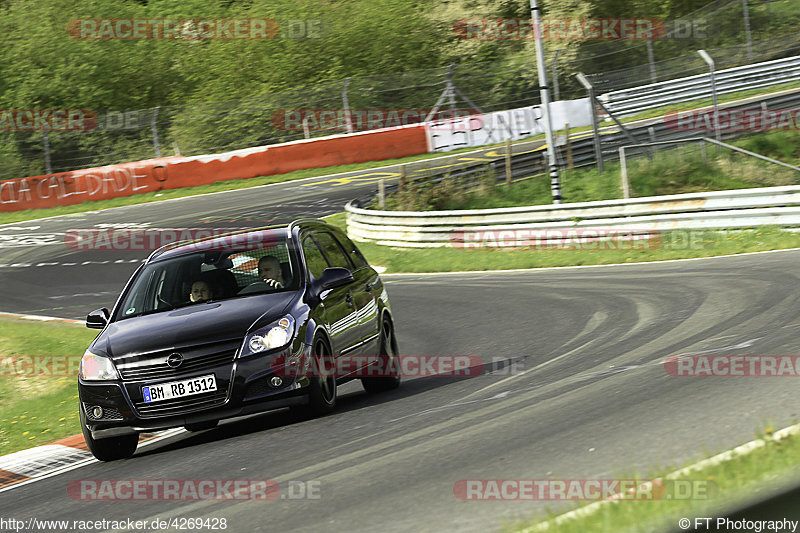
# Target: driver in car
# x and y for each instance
(269, 271)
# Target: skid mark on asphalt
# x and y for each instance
(729, 348)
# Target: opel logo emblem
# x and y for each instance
(174, 360)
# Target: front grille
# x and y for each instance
(182, 405)
(194, 360)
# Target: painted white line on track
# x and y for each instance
(40, 318)
(70, 263)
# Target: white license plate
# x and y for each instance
(179, 389)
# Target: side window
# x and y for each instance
(350, 249)
(333, 252)
(314, 258)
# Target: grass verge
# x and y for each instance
(716, 490)
(38, 400)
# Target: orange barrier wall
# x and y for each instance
(126, 179)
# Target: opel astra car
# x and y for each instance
(200, 333)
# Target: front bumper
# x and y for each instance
(243, 387)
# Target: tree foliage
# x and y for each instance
(43, 66)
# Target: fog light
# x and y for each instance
(276, 382)
(97, 412)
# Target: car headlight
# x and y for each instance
(96, 367)
(276, 335)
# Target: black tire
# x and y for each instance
(201, 426)
(112, 448)
(388, 353)
(322, 390)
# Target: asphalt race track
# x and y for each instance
(587, 396)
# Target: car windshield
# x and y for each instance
(211, 275)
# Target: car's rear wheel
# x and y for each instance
(112, 448)
(389, 362)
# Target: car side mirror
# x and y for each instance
(333, 277)
(98, 319)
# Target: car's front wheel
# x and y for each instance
(112, 448)
(322, 389)
(322, 393)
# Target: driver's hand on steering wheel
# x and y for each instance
(275, 284)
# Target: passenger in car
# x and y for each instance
(201, 291)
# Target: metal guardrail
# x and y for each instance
(637, 99)
(647, 216)
(437, 228)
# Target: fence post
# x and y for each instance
(598, 153)
(554, 65)
(746, 14)
(348, 119)
(711, 66)
(653, 77)
(570, 164)
(626, 193)
(48, 168)
(508, 161)
(450, 91)
(381, 195)
(155, 132)
(401, 182)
